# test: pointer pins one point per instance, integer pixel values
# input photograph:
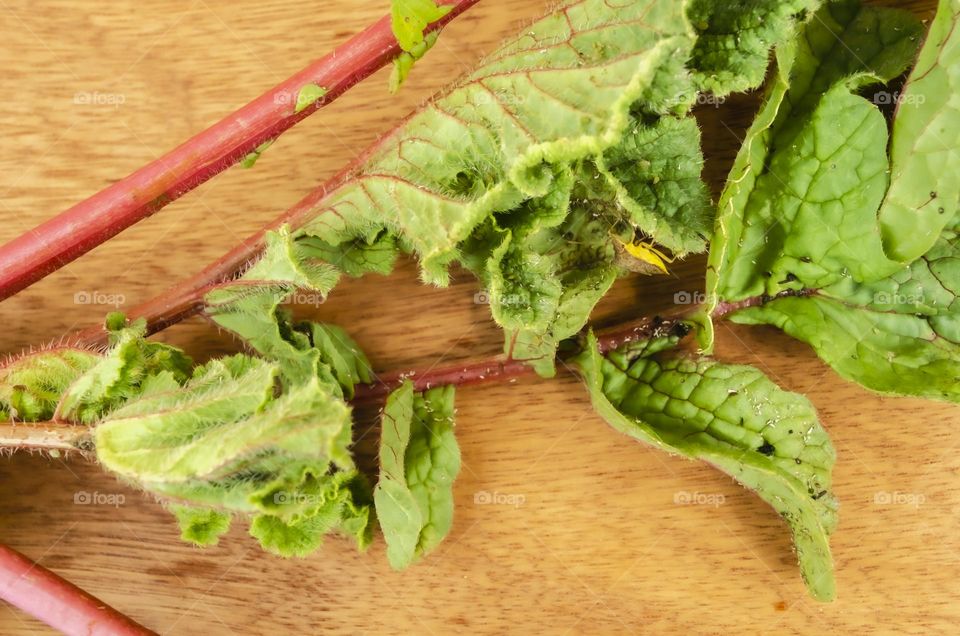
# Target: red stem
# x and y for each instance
(185, 299)
(57, 602)
(53, 244)
(499, 368)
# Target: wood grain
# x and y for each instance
(595, 542)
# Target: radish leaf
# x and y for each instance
(735, 419)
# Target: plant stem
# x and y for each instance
(499, 369)
(57, 602)
(53, 244)
(44, 436)
(185, 299)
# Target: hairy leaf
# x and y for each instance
(343, 505)
(735, 38)
(131, 366)
(31, 385)
(735, 419)
(585, 113)
(419, 459)
(347, 362)
(227, 443)
(200, 526)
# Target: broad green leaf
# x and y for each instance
(31, 385)
(800, 207)
(925, 150)
(419, 459)
(798, 226)
(900, 335)
(802, 199)
(735, 419)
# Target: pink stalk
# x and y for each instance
(500, 368)
(57, 602)
(86, 225)
(185, 298)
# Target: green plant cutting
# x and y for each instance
(567, 159)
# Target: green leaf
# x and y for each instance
(409, 19)
(376, 254)
(799, 210)
(925, 150)
(229, 443)
(585, 113)
(249, 307)
(347, 362)
(343, 504)
(900, 335)
(403, 63)
(218, 430)
(419, 459)
(735, 419)
(126, 370)
(200, 526)
(31, 385)
(798, 224)
(735, 38)
(251, 159)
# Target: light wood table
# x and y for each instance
(597, 544)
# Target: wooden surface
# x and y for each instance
(595, 541)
